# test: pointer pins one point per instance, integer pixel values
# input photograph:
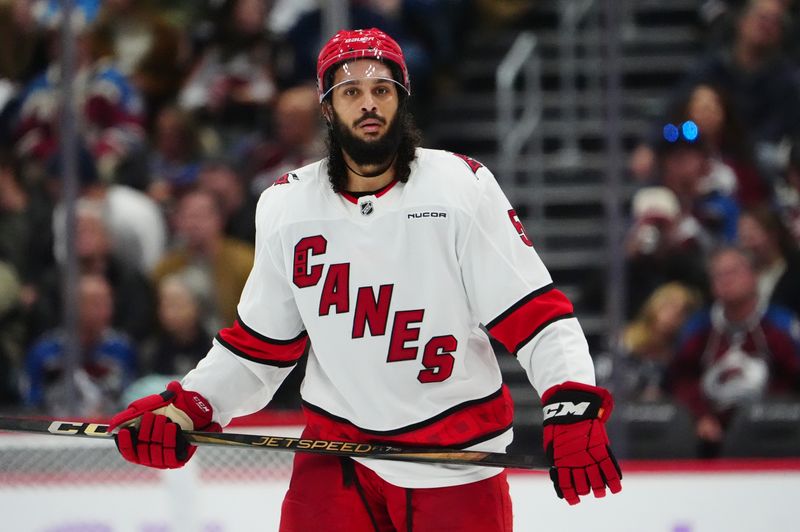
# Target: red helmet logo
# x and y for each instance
(360, 44)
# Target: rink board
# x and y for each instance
(222, 496)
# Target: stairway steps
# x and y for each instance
(565, 211)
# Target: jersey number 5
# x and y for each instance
(512, 215)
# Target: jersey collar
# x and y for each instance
(378, 193)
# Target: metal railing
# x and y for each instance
(573, 13)
(519, 112)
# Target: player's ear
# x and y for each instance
(327, 112)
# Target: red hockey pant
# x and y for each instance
(340, 495)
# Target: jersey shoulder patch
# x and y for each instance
(472, 163)
(285, 179)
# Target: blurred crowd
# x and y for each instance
(713, 247)
(186, 110)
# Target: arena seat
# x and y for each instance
(768, 428)
(656, 430)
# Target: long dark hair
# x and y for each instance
(771, 222)
(734, 141)
(410, 138)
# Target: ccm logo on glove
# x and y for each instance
(565, 409)
(201, 405)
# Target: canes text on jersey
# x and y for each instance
(371, 311)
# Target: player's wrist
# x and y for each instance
(189, 409)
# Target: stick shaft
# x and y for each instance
(301, 445)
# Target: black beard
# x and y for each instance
(376, 152)
(410, 138)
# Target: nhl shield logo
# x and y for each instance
(366, 208)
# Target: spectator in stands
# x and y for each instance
(775, 255)
(110, 110)
(506, 13)
(153, 53)
(24, 50)
(232, 82)
(106, 359)
(176, 155)
(759, 79)
(11, 333)
(221, 180)
(418, 20)
(135, 223)
(439, 26)
(727, 138)
(26, 235)
(180, 340)
(436, 30)
(216, 267)
(16, 226)
(735, 351)
(23, 54)
(133, 301)
(676, 224)
(187, 13)
(787, 193)
(719, 16)
(732, 165)
(648, 344)
(296, 139)
(685, 167)
(49, 13)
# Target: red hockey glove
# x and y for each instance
(576, 442)
(151, 427)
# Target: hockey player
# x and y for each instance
(388, 258)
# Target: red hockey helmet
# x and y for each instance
(360, 44)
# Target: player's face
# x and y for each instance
(365, 114)
(365, 98)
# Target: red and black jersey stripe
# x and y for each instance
(353, 198)
(243, 341)
(529, 316)
(460, 426)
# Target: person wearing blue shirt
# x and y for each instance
(107, 358)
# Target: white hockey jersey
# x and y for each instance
(392, 289)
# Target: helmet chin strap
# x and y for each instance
(372, 174)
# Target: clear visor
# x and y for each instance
(356, 72)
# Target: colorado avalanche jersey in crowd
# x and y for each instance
(105, 370)
(392, 290)
(721, 364)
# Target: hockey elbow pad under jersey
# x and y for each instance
(576, 442)
(150, 429)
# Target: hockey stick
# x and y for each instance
(282, 443)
